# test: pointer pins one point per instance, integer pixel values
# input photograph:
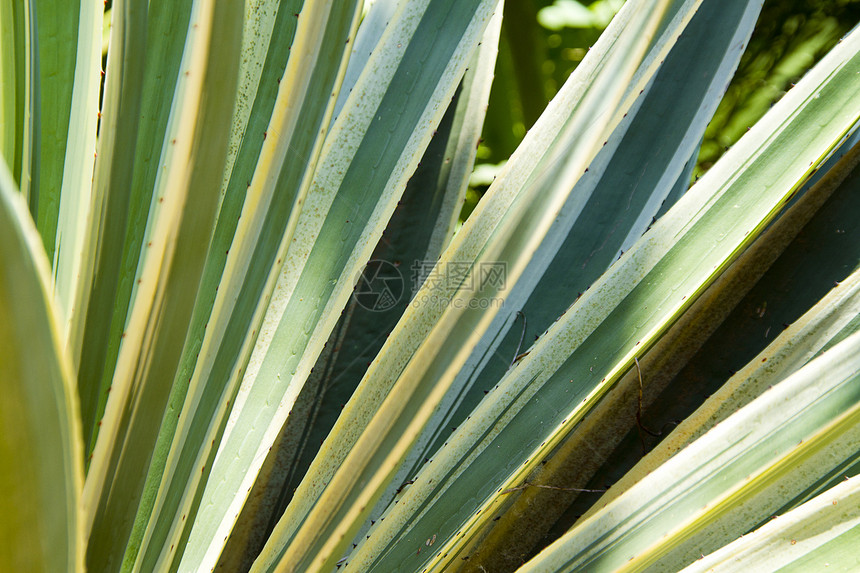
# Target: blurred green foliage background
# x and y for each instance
(544, 40)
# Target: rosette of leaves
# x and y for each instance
(201, 367)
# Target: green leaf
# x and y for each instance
(19, 97)
(373, 24)
(611, 205)
(421, 225)
(167, 23)
(178, 233)
(42, 474)
(547, 393)
(386, 413)
(380, 109)
(820, 535)
(829, 321)
(58, 25)
(284, 138)
(731, 478)
(798, 255)
(90, 312)
(65, 196)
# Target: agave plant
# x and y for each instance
(239, 331)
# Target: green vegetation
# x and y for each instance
(238, 330)
(543, 41)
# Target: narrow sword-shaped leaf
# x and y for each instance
(623, 313)
(612, 204)
(166, 32)
(373, 25)
(816, 330)
(293, 140)
(423, 85)
(555, 116)
(398, 156)
(165, 37)
(424, 217)
(476, 85)
(822, 534)
(19, 109)
(248, 132)
(192, 448)
(262, 34)
(8, 94)
(42, 473)
(58, 25)
(678, 368)
(67, 196)
(729, 479)
(368, 445)
(90, 313)
(178, 234)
